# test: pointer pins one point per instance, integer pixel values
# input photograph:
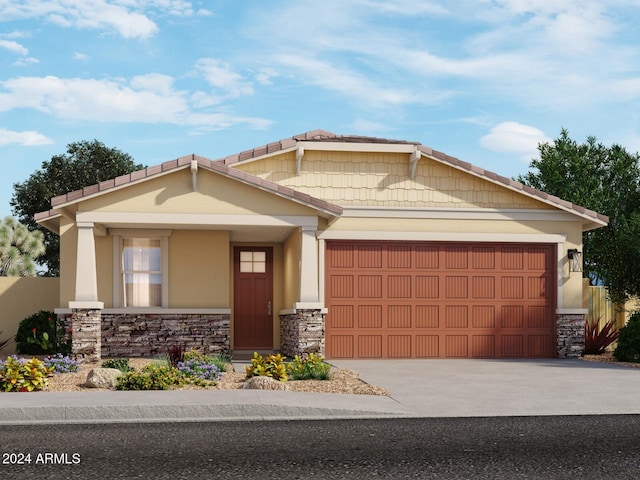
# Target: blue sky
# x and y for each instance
(482, 80)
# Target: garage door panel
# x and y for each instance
(512, 345)
(370, 286)
(342, 286)
(426, 300)
(427, 316)
(427, 257)
(427, 286)
(341, 317)
(513, 287)
(483, 287)
(399, 316)
(340, 346)
(399, 286)
(456, 287)
(512, 316)
(456, 316)
(370, 346)
(427, 346)
(400, 256)
(483, 316)
(457, 257)
(369, 316)
(483, 346)
(399, 346)
(456, 346)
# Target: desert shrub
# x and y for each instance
(20, 375)
(273, 366)
(42, 334)
(219, 360)
(628, 349)
(309, 367)
(596, 339)
(198, 369)
(61, 363)
(121, 364)
(158, 376)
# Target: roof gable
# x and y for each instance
(317, 139)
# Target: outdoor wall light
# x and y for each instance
(575, 260)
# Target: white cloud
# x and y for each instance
(150, 98)
(91, 14)
(80, 56)
(221, 76)
(23, 62)
(14, 47)
(26, 138)
(513, 137)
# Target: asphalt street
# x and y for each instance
(556, 447)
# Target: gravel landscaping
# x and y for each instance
(342, 381)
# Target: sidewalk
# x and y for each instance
(418, 388)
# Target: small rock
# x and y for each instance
(103, 378)
(264, 383)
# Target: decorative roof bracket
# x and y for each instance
(413, 162)
(194, 174)
(299, 155)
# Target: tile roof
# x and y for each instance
(221, 166)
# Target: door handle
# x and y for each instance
(269, 307)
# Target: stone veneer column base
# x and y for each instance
(302, 332)
(570, 334)
(86, 335)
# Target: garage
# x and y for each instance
(439, 300)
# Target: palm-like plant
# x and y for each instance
(19, 247)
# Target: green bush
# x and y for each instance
(42, 334)
(121, 364)
(309, 367)
(20, 375)
(628, 349)
(158, 376)
(273, 366)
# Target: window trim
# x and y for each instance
(118, 236)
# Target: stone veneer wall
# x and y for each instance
(85, 339)
(570, 335)
(302, 332)
(137, 335)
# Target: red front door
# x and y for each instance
(253, 298)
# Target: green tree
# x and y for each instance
(85, 163)
(606, 180)
(19, 247)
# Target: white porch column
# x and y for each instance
(309, 266)
(86, 296)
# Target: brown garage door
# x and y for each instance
(439, 300)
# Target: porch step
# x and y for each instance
(246, 355)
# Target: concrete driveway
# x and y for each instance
(460, 388)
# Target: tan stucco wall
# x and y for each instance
(173, 193)
(382, 179)
(199, 269)
(291, 267)
(22, 297)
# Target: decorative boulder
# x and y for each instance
(103, 378)
(264, 383)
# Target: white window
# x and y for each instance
(141, 263)
(253, 262)
(142, 272)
